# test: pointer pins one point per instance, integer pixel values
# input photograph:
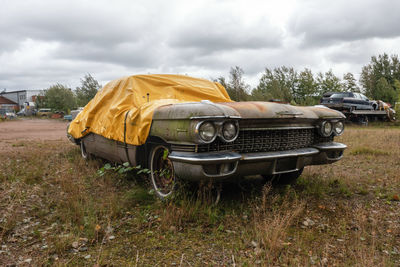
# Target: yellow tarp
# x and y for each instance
(140, 95)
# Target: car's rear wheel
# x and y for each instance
(162, 175)
(284, 178)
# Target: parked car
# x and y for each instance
(73, 114)
(348, 101)
(57, 114)
(44, 112)
(68, 117)
(27, 112)
(11, 115)
(161, 122)
(7, 114)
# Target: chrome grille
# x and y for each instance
(261, 141)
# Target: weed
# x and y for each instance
(271, 223)
(368, 151)
(338, 187)
(19, 144)
(312, 185)
(139, 195)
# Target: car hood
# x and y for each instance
(262, 110)
(244, 110)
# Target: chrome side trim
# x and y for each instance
(213, 117)
(258, 156)
(204, 158)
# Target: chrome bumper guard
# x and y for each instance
(226, 164)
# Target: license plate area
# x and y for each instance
(286, 164)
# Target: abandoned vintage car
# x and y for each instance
(348, 101)
(187, 128)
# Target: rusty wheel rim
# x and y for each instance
(162, 172)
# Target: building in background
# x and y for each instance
(21, 97)
(8, 104)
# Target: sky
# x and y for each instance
(53, 41)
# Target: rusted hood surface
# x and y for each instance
(270, 110)
(244, 110)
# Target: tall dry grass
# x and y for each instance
(272, 218)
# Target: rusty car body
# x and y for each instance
(219, 141)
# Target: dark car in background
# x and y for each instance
(348, 101)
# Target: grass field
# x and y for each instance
(57, 210)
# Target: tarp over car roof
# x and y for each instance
(136, 97)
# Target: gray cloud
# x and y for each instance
(44, 42)
(228, 33)
(323, 23)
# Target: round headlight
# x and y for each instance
(326, 128)
(339, 128)
(207, 131)
(229, 131)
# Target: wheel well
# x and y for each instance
(145, 150)
(155, 140)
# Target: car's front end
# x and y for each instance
(247, 138)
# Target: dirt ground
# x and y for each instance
(12, 132)
(57, 209)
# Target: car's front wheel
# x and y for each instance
(162, 174)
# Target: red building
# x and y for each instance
(7, 104)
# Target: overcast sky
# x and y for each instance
(50, 41)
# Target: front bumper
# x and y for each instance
(222, 165)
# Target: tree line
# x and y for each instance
(379, 79)
(62, 98)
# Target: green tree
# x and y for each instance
(385, 91)
(279, 84)
(350, 83)
(397, 103)
(88, 89)
(40, 100)
(328, 82)
(382, 66)
(306, 88)
(59, 97)
(236, 87)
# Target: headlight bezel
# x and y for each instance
(219, 125)
(221, 131)
(199, 136)
(322, 128)
(334, 128)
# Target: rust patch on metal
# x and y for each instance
(245, 105)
